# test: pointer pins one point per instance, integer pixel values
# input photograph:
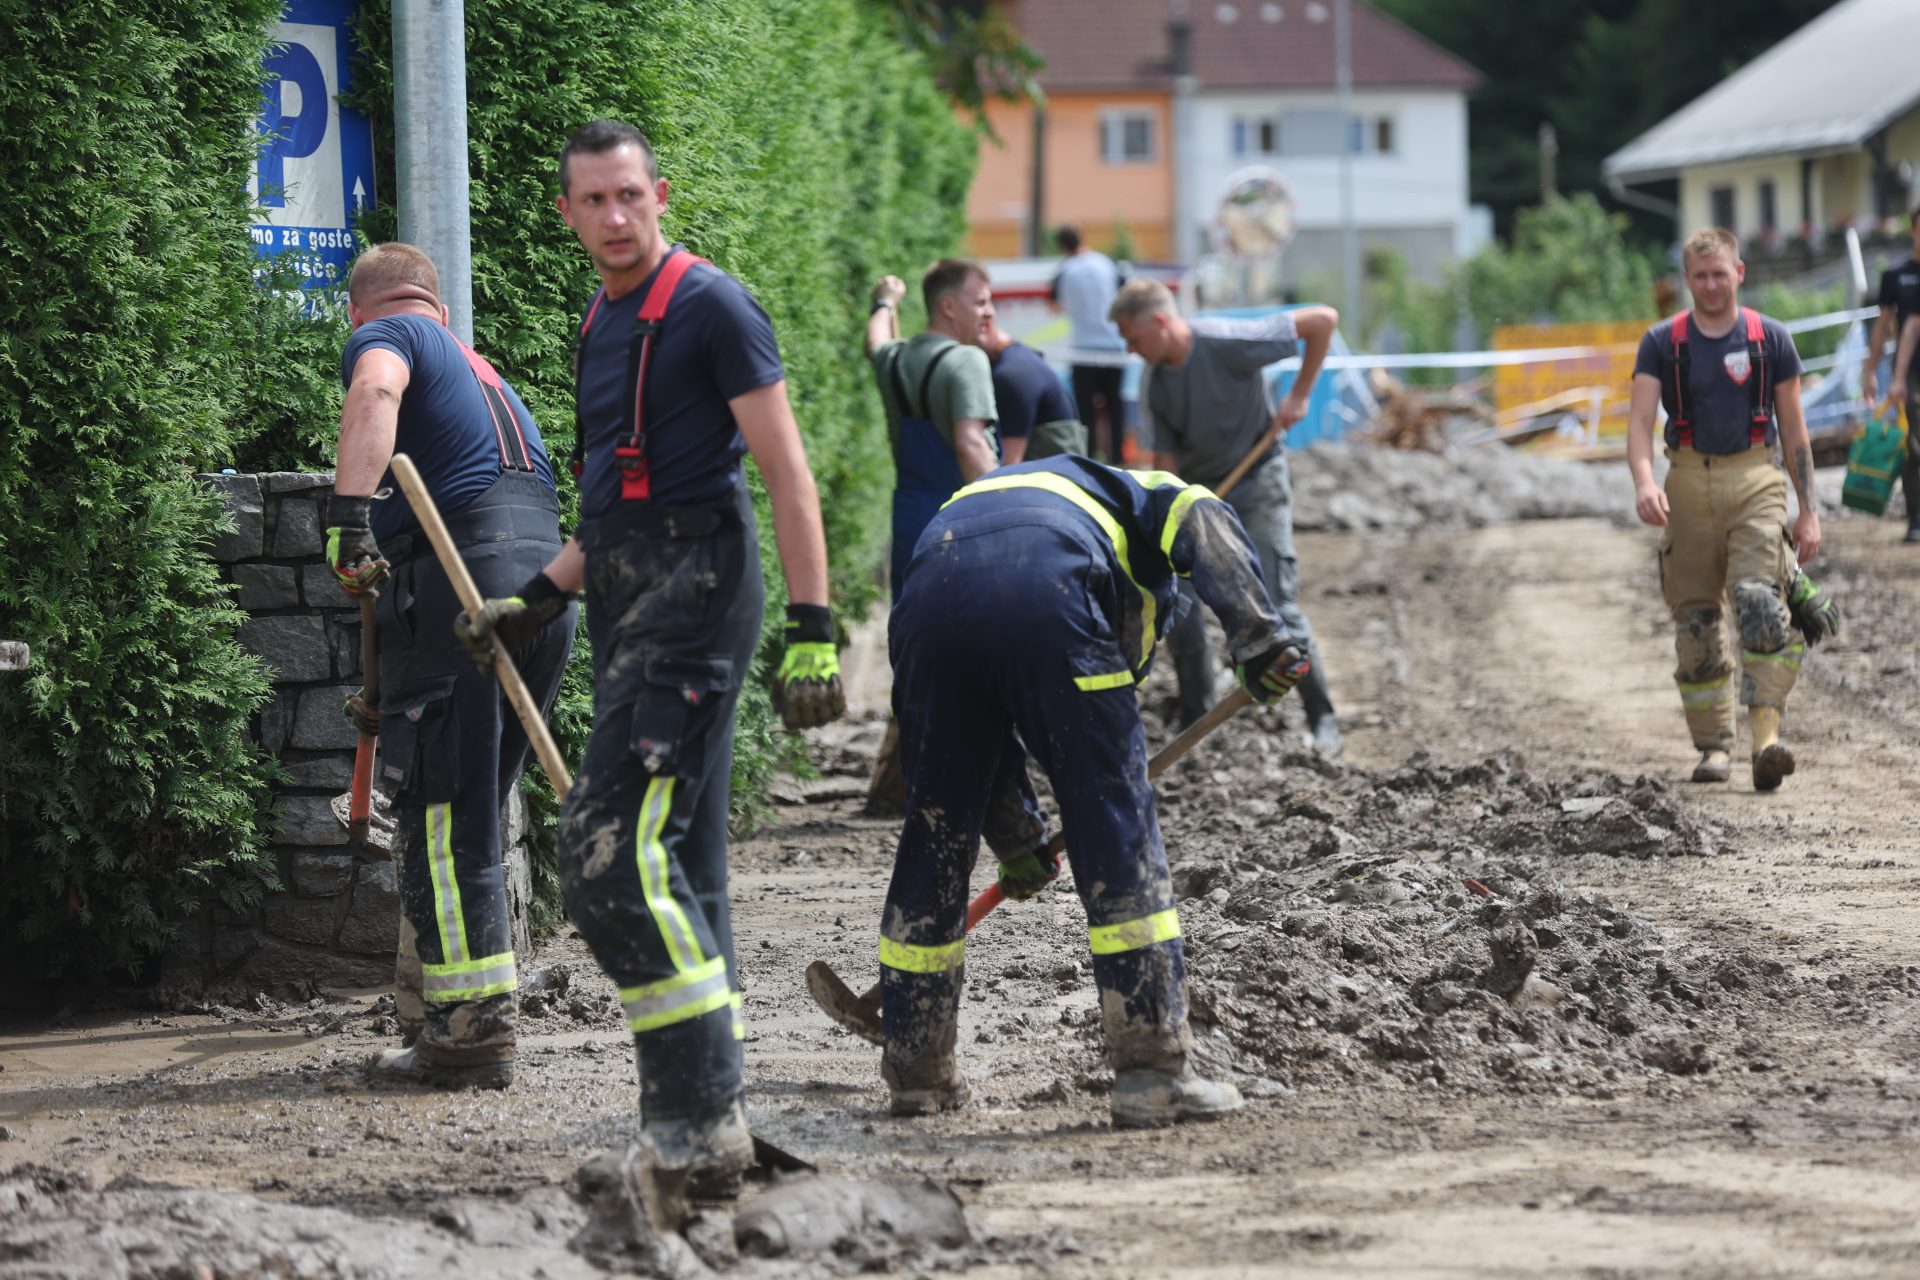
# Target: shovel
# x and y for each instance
(765, 1153)
(861, 1014)
(360, 799)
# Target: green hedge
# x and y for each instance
(809, 150)
(127, 788)
(809, 153)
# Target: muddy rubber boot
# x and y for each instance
(1772, 762)
(1149, 1098)
(887, 789)
(464, 1045)
(1913, 534)
(1714, 766)
(409, 1005)
(711, 1152)
(932, 1085)
(1323, 729)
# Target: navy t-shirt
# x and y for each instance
(1722, 404)
(444, 425)
(1028, 392)
(715, 344)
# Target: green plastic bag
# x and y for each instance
(1874, 459)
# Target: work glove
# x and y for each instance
(362, 715)
(516, 619)
(351, 550)
(1813, 610)
(1023, 876)
(807, 690)
(1269, 676)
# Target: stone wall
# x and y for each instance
(336, 919)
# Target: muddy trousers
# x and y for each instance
(1725, 551)
(1004, 636)
(674, 608)
(451, 749)
(1264, 502)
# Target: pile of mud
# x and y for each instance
(1345, 487)
(1409, 927)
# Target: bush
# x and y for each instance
(129, 789)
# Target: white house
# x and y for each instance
(1263, 93)
(1820, 132)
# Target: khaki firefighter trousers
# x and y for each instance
(1725, 552)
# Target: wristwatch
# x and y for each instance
(878, 305)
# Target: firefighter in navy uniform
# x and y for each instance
(451, 747)
(1031, 608)
(677, 377)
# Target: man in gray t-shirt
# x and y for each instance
(1205, 407)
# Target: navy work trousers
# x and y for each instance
(451, 747)
(1004, 636)
(674, 609)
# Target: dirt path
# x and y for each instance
(1789, 1156)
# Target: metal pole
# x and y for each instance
(1349, 234)
(1186, 243)
(430, 145)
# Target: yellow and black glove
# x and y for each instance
(807, 690)
(1027, 874)
(351, 551)
(1269, 676)
(516, 619)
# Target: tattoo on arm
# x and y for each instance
(1803, 469)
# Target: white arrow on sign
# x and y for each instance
(359, 194)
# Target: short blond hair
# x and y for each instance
(390, 273)
(1139, 297)
(1710, 240)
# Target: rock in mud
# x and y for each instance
(818, 1214)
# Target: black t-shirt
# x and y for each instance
(443, 422)
(1900, 289)
(715, 344)
(1721, 403)
(1028, 392)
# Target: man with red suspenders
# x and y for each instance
(450, 746)
(676, 377)
(1729, 378)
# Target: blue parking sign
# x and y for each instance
(314, 175)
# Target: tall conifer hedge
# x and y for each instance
(809, 152)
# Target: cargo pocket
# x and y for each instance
(419, 743)
(1661, 557)
(676, 703)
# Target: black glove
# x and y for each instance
(351, 550)
(362, 715)
(1813, 610)
(516, 620)
(807, 691)
(1023, 876)
(1269, 676)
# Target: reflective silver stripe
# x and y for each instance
(676, 999)
(446, 889)
(473, 980)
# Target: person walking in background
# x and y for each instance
(1729, 378)
(1899, 301)
(1084, 288)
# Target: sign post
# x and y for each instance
(314, 176)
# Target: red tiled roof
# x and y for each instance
(1236, 44)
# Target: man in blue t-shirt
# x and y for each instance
(1729, 379)
(450, 746)
(1037, 418)
(677, 377)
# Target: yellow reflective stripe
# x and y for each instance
(739, 1022)
(1789, 656)
(1065, 488)
(1175, 514)
(446, 888)
(1132, 935)
(1157, 479)
(1111, 680)
(909, 958)
(685, 995)
(469, 979)
(683, 945)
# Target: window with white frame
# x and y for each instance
(1127, 136)
(1312, 133)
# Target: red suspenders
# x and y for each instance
(1759, 388)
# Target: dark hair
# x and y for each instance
(944, 277)
(597, 137)
(1068, 238)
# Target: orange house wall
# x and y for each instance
(1080, 188)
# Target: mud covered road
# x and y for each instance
(1509, 998)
